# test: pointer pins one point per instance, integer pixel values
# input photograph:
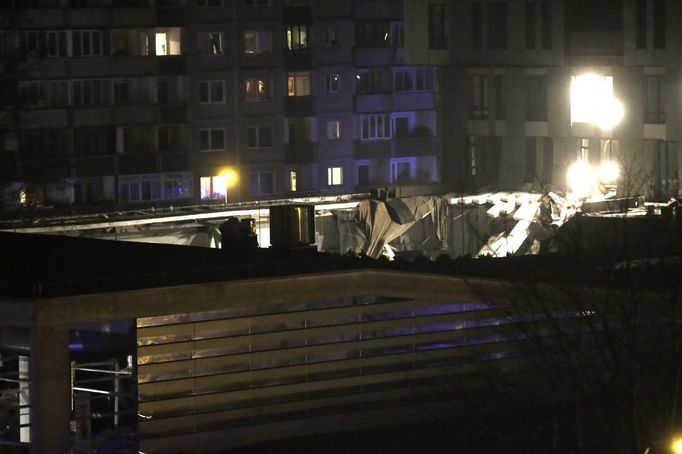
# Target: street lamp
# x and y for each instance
(677, 446)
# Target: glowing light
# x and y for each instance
(677, 446)
(609, 172)
(592, 101)
(581, 179)
(229, 176)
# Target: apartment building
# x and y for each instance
(528, 88)
(158, 102)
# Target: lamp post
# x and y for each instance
(229, 179)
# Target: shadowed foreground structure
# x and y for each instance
(229, 352)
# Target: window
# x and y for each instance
(258, 41)
(531, 157)
(363, 168)
(134, 188)
(162, 47)
(46, 93)
(641, 24)
(211, 91)
(298, 84)
(403, 170)
(334, 176)
(209, 3)
(547, 160)
(333, 83)
(479, 96)
(654, 110)
(292, 181)
(545, 9)
(86, 43)
(530, 25)
(167, 41)
(484, 160)
(438, 26)
(413, 79)
(476, 25)
(666, 184)
(374, 127)
(372, 34)
(659, 24)
(497, 25)
(608, 150)
(258, 89)
(261, 183)
(402, 124)
(500, 108)
(589, 93)
(297, 37)
(162, 92)
(119, 88)
(372, 81)
(168, 137)
(584, 150)
(331, 38)
(214, 188)
(211, 43)
(260, 136)
(212, 139)
(397, 34)
(334, 129)
(536, 98)
(47, 43)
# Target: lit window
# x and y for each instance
(213, 188)
(584, 150)
(167, 41)
(297, 37)
(161, 44)
(257, 41)
(333, 82)
(334, 176)
(292, 180)
(592, 98)
(258, 90)
(260, 136)
(298, 84)
(212, 139)
(212, 91)
(334, 129)
(374, 127)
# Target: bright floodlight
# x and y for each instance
(581, 179)
(229, 176)
(610, 114)
(609, 172)
(677, 446)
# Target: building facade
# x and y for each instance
(159, 102)
(527, 86)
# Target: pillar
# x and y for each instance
(50, 394)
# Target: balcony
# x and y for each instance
(170, 17)
(298, 59)
(299, 106)
(172, 113)
(413, 146)
(372, 149)
(134, 163)
(169, 65)
(301, 153)
(174, 162)
(94, 167)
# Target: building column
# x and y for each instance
(50, 394)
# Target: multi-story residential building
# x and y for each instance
(153, 102)
(524, 86)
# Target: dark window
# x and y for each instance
(547, 160)
(372, 34)
(497, 25)
(530, 174)
(546, 25)
(484, 160)
(438, 26)
(479, 96)
(162, 91)
(653, 96)
(530, 25)
(536, 97)
(659, 24)
(476, 25)
(260, 136)
(666, 184)
(363, 174)
(641, 21)
(500, 110)
(372, 81)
